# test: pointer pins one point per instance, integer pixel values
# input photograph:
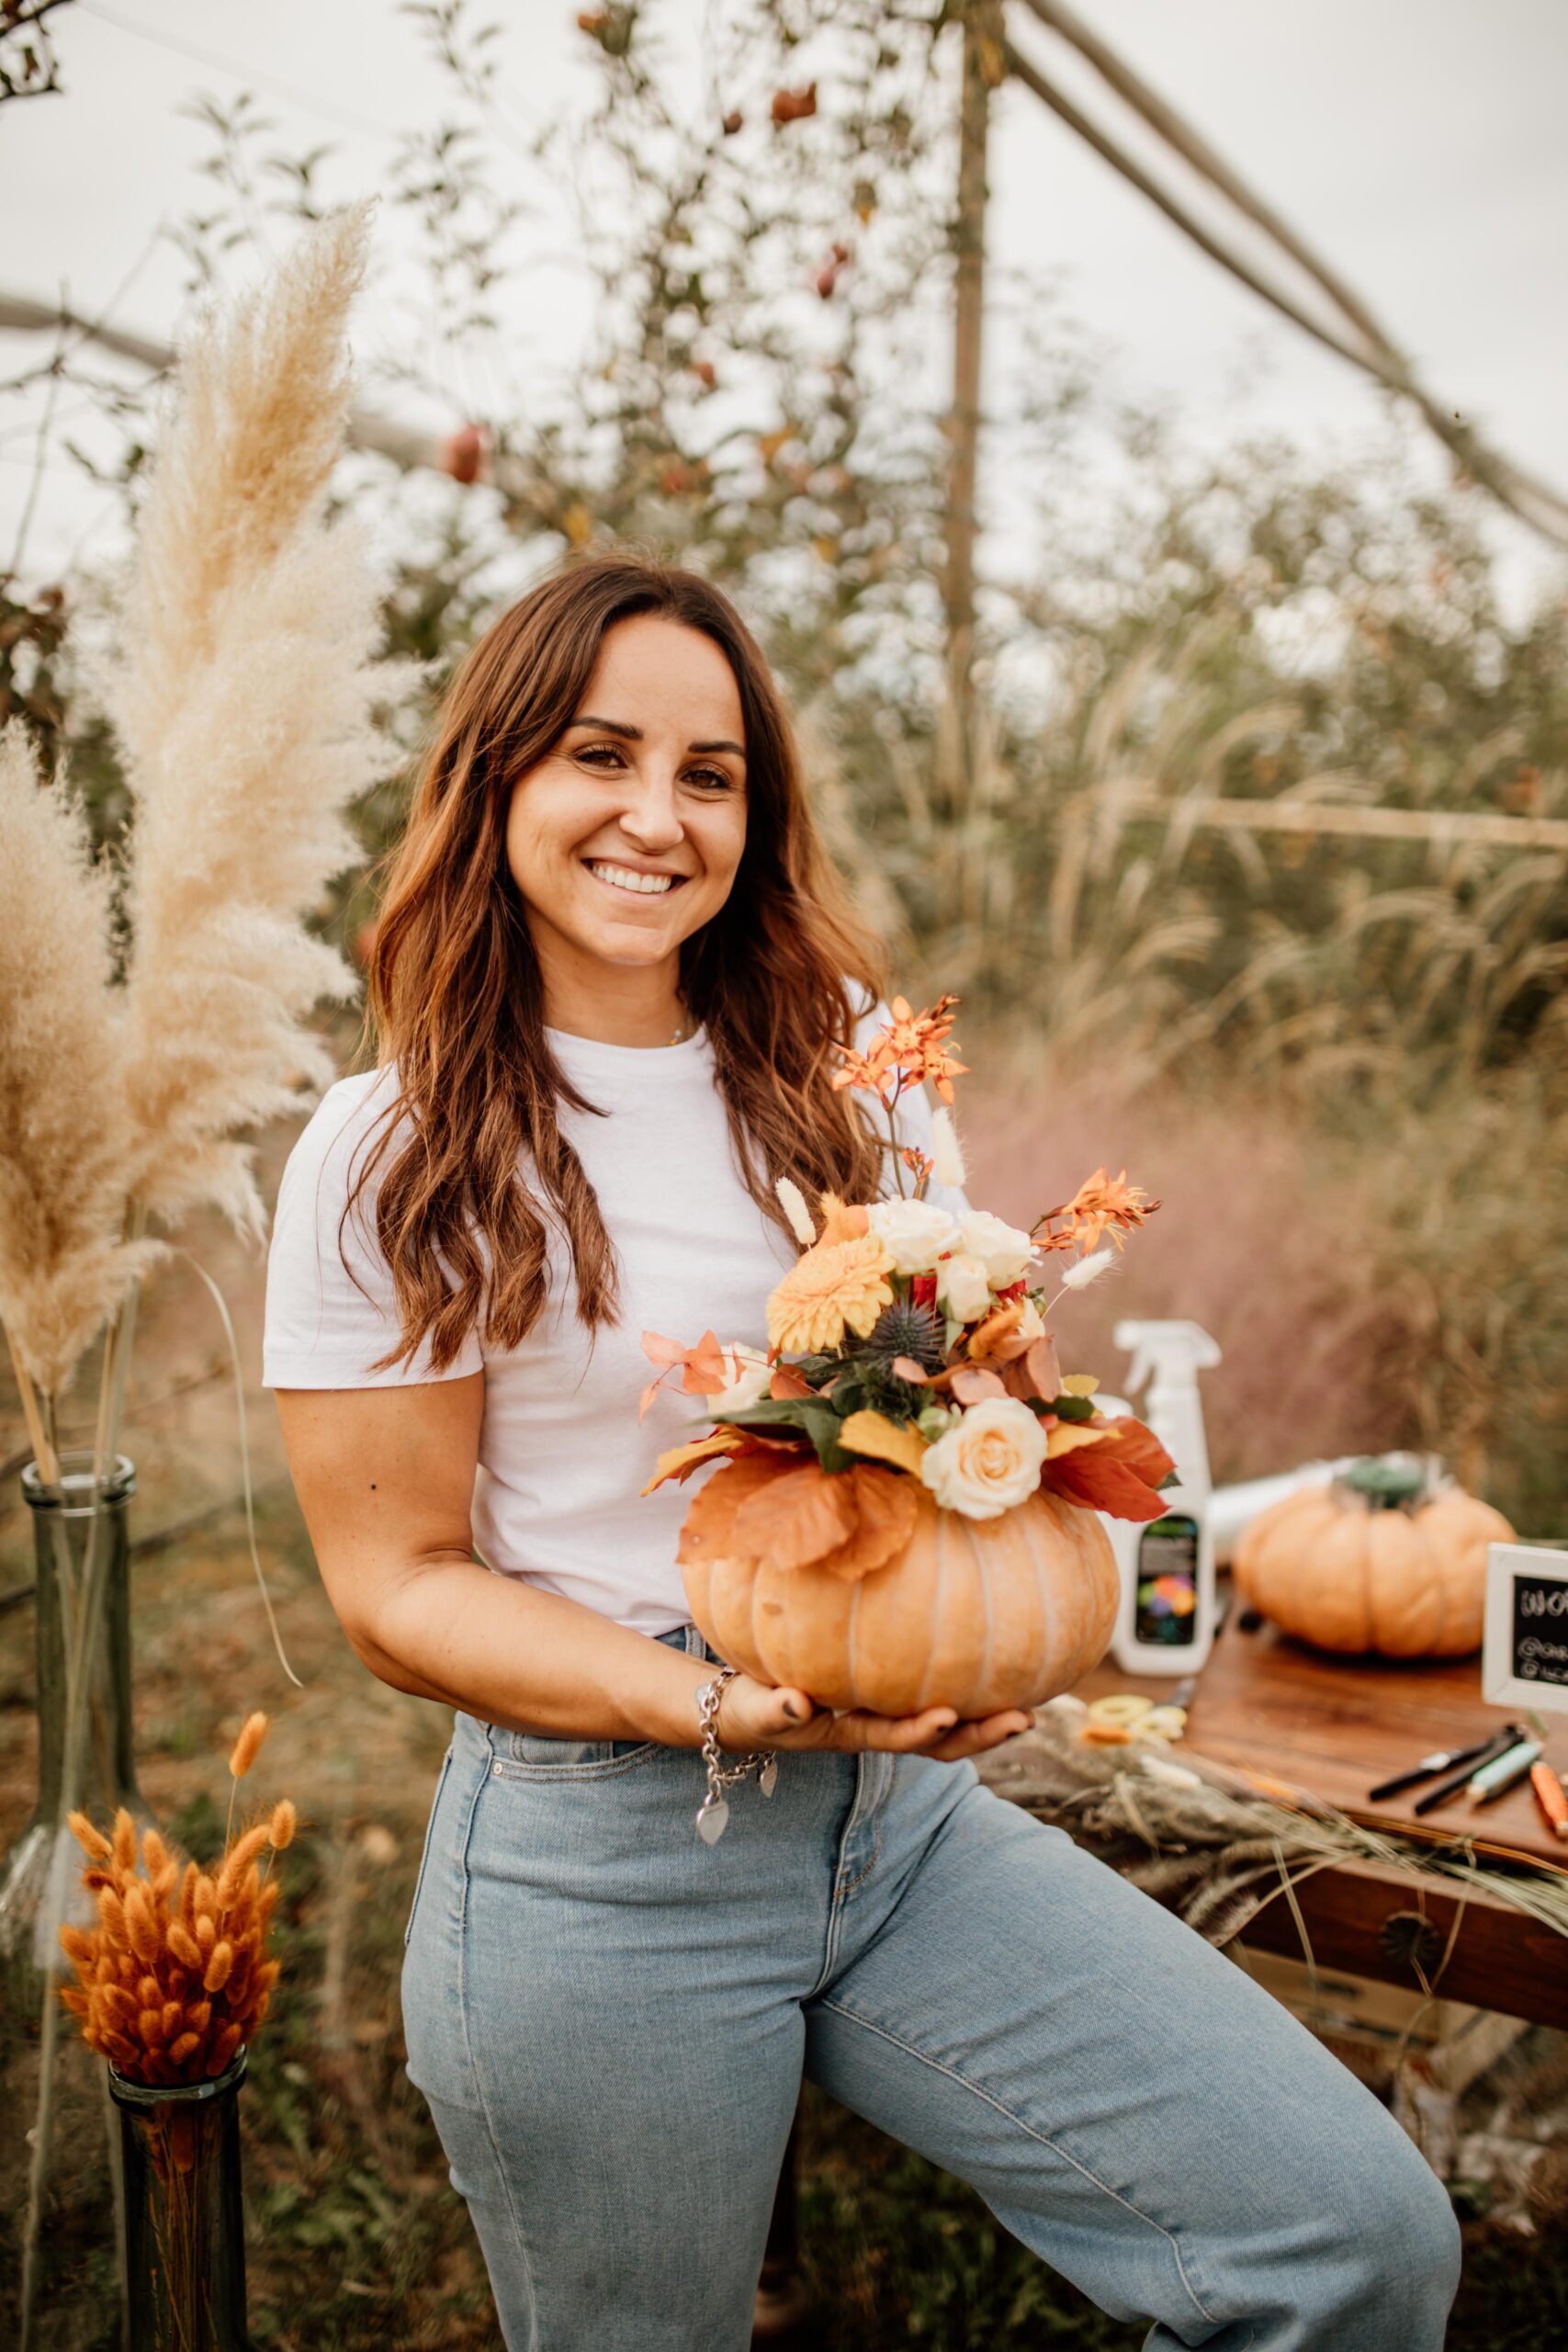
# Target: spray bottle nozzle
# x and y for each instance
(1165, 1351)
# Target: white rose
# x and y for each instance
(962, 1288)
(990, 1462)
(750, 1384)
(916, 1232)
(1002, 1250)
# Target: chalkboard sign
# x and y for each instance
(1525, 1657)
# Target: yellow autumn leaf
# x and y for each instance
(1067, 1436)
(1080, 1384)
(676, 1458)
(885, 1441)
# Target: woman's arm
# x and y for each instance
(385, 1478)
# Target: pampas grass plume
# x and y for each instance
(66, 1144)
(243, 690)
(946, 1154)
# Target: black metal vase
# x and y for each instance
(110, 1765)
(185, 2215)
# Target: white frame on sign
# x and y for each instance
(1500, 1687)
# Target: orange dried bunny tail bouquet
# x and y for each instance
(175, 1977)
(905, 1510)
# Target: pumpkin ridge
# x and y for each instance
(937, 1581)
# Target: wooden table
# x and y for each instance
(1334, 1727)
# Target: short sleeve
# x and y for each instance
(323, 1329)
(912, 1117)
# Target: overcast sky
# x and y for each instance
(1416, 143)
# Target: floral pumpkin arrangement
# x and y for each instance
(905, 1510)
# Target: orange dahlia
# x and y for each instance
(838, 1284)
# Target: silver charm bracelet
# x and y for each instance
(714, 1814)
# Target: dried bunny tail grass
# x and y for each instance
(247, 1746)
(244, 694)
(66, 1142)
(282, 1827)
(91, 1840)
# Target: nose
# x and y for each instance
(648, 816)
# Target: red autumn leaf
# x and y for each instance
(1138, 1449)
(1089, 1475)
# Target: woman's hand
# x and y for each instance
(753, 1714)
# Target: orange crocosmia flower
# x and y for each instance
(912, 1045)
(832, 1286)
(1101, 1203)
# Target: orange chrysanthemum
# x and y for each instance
(912, 1045)
(1101, 1203)
(834, 1285)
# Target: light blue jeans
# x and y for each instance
(610, 2019)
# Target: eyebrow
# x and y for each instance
(634, 735)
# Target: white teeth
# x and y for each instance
(625, 879)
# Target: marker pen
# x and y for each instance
(1495, 1779)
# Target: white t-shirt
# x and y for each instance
(562, 1456)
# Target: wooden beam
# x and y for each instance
(1439, 825)
(984, 67)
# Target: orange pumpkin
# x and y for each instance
(974, 1614)
(1351, 1578)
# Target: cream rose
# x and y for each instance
(989, 1462)
(1002, 1248)
(750, 1384)
(915, 1232)
(962, 1288)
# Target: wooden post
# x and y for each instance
(983, 67)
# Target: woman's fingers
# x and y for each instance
(988, 1731)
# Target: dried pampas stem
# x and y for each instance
(243, 691)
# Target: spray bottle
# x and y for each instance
(1165, 1622)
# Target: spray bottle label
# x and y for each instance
(1166, 1591)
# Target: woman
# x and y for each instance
(612, 962)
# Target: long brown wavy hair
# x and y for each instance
(456, 1001)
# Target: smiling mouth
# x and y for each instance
(630, 883)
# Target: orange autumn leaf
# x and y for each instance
(884, 1440)
(972, 1383)
(998, 1334)
(679, 1461)
(795, 1517)
(788, 1381)
(885, 1504)
(704, 1369)
(706, 1530)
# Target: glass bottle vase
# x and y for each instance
(61, 1519)
(185, 2213)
